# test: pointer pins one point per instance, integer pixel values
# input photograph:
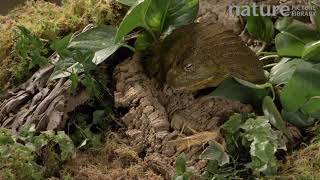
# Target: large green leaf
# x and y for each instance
(289, 45)
(312, 52)
(312, 107)
(179, 13)
(231, 89)
(303, 85)
(282, 72)
(260, 27)
(98, 40)
(158, 16)
(293, 37)
(298, 119)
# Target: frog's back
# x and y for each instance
(214, 52)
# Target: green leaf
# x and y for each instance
(282, 23)
(303, 85)
(312, 52)
(66, 145)
(6, 137)
(158, 16)
(98, 40)
(293, 37)
(312, 107)
(289, 45)
(231, 89)
(282, 72)
(74, 82)
(128, 2)
(264, 144)
(215, 152)
(233, 124)
(136, 17)
(298, 119)
(180, 13)
(260, 27)
(143, 42)
(273, 115)
(181, 164)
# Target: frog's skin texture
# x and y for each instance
(202, 55)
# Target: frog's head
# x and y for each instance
(190, 76)
(199, 56)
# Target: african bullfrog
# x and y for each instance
(202, 55)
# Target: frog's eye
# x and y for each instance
(188, 67)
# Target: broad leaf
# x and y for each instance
(289, 45)
(312, 52)
(65, 144)
(136, 17)
(260, 27)
(303, 85)
(143, 42)
(282, 72)
(158, 16)
(312, 107)
(293, 37)
(179, 13)
(298, 119)
(98, 40)
(231, 89)
(273, 115)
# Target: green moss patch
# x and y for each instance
(49, 22)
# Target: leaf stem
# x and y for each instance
(129, 47)
(268, 57)
(264, 44)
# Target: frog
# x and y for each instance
(202, 55)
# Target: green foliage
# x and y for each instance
(273, 115)
(182, 172)
(256, 134)
(157, 17)
(31, 52)
(260, 27)
(233, 89)
(19, 154)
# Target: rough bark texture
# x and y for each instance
(163, 123)
(39, 102)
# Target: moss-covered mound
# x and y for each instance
(48, 21)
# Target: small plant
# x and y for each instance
(19, 154)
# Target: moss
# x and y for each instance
(302, 164)
(48, 21)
